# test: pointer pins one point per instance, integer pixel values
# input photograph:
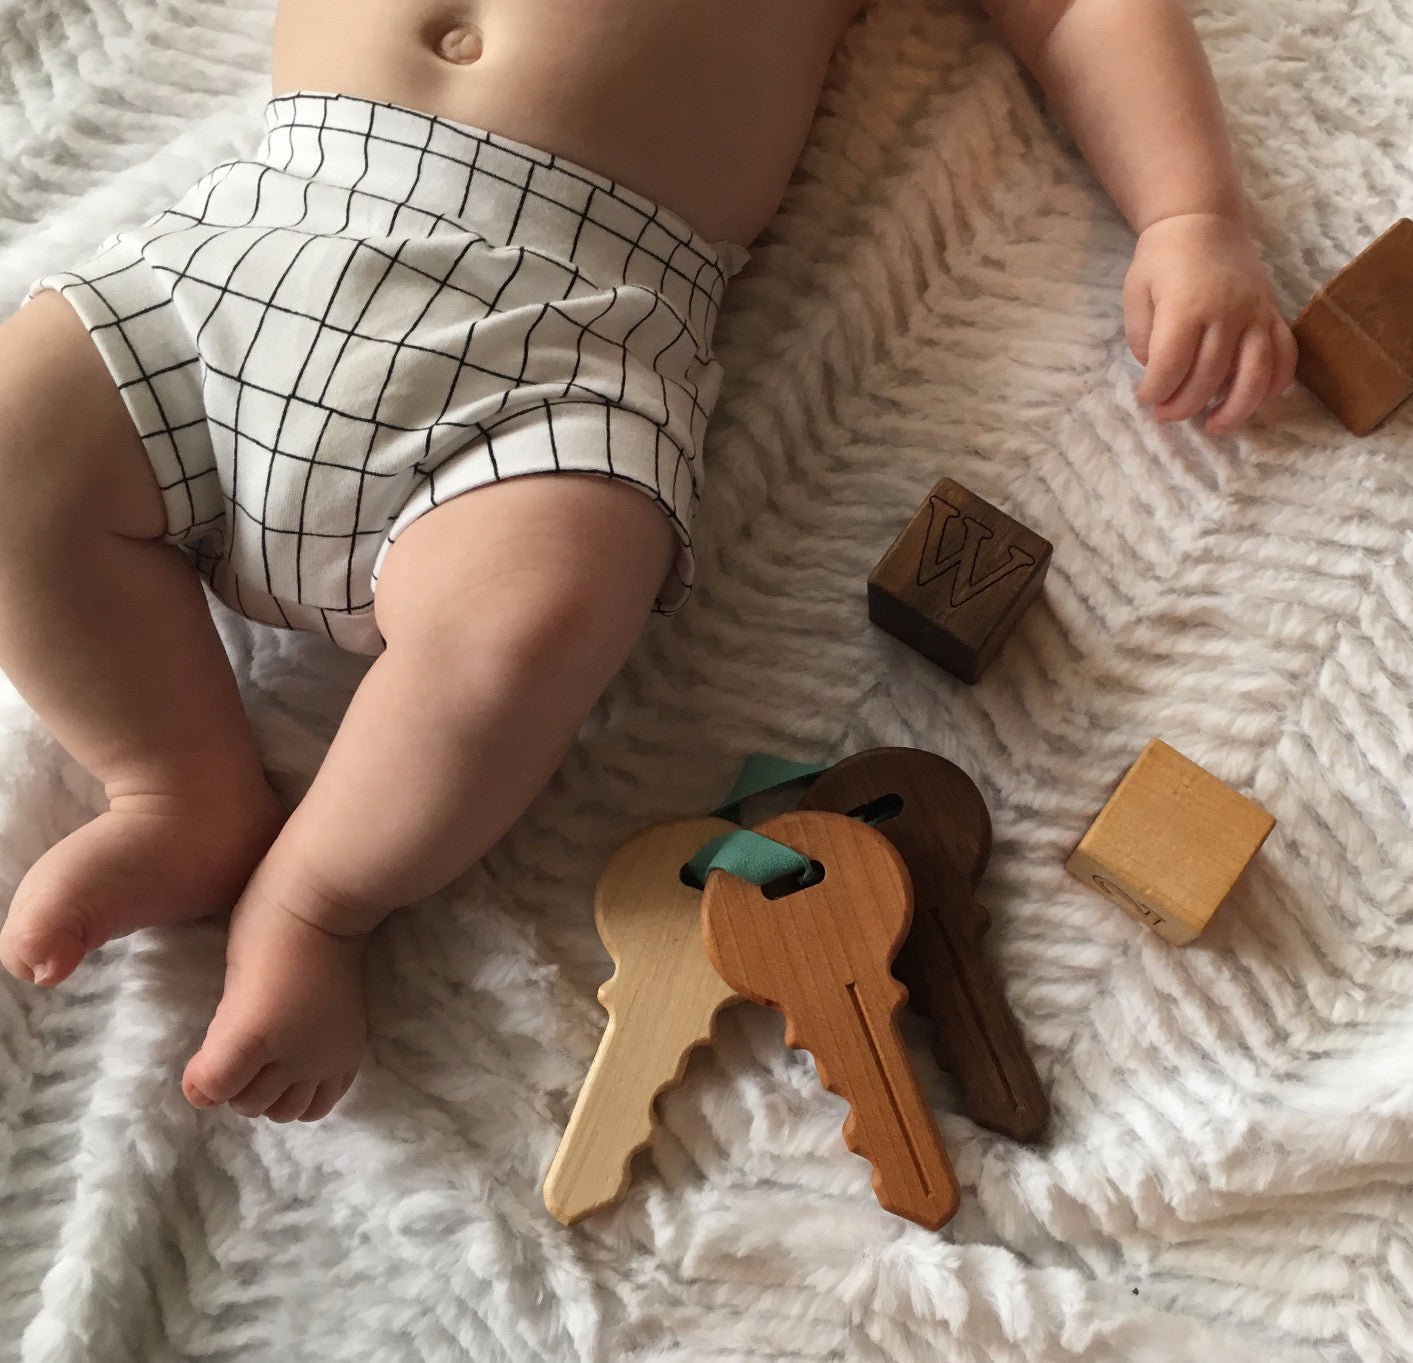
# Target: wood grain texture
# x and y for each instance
(1170, 843)
(933, 813)
(957, 579)
(821, 956)
(1356, 334)
(662, 1002)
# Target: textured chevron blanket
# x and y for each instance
(1228, 1175)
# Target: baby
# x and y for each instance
(430, 374)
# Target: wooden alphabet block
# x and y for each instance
(1356, 334)
(957, 579)
(1170, 844)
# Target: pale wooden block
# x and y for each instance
(1170, 844)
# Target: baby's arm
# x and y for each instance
(1132, 82)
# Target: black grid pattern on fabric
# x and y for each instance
(382, 310)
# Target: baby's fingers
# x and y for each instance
(1255, 359)
(1171, 350)
(1287, 355)
(1209, 372)
(1138, 316)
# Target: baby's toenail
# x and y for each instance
(44, 972)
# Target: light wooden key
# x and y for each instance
(821, 956)
(932, 812)
(662, 1002)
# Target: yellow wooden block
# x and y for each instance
(1170, 844)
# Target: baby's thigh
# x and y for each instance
(70, 456)
(562, 562)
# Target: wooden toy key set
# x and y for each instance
(806, 914)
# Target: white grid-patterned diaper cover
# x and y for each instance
(382, 310)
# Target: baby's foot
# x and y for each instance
(288, 1036)
(148, 860)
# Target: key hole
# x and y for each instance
(788, 885)
(880, 810)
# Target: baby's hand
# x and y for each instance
(1201, 318)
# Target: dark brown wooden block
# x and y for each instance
(932, 812)
(1356, 334)
(957, 579)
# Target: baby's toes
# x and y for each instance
(326, 1098)
(54, 917)
(42, 943)
(293, 1102)
(262, 1093)
(229, 1060)
(291, 1016)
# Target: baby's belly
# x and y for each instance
(700, 105)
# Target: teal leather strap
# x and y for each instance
(748, 855)
(762, 772)
(745, 854)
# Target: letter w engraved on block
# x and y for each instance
(945, 549)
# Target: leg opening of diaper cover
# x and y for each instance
(153, 363)
(354, 631)
(574, 438)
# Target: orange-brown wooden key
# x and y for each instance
(821, 955)
(662, 1001)
(932, 812)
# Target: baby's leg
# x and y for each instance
(104, 630)
(506, 612)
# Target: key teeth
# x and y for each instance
(826, 1081)
(945, 1202)
(894, 1010)
(851, 1119)
(572, 1216)
(606, 991)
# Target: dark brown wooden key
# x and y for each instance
(935, 816)
(821, 955)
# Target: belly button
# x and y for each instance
(461, 46)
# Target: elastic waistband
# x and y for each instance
(506, 192)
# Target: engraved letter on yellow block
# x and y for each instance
(1170, 844)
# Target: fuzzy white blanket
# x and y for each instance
(1229, 1171)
